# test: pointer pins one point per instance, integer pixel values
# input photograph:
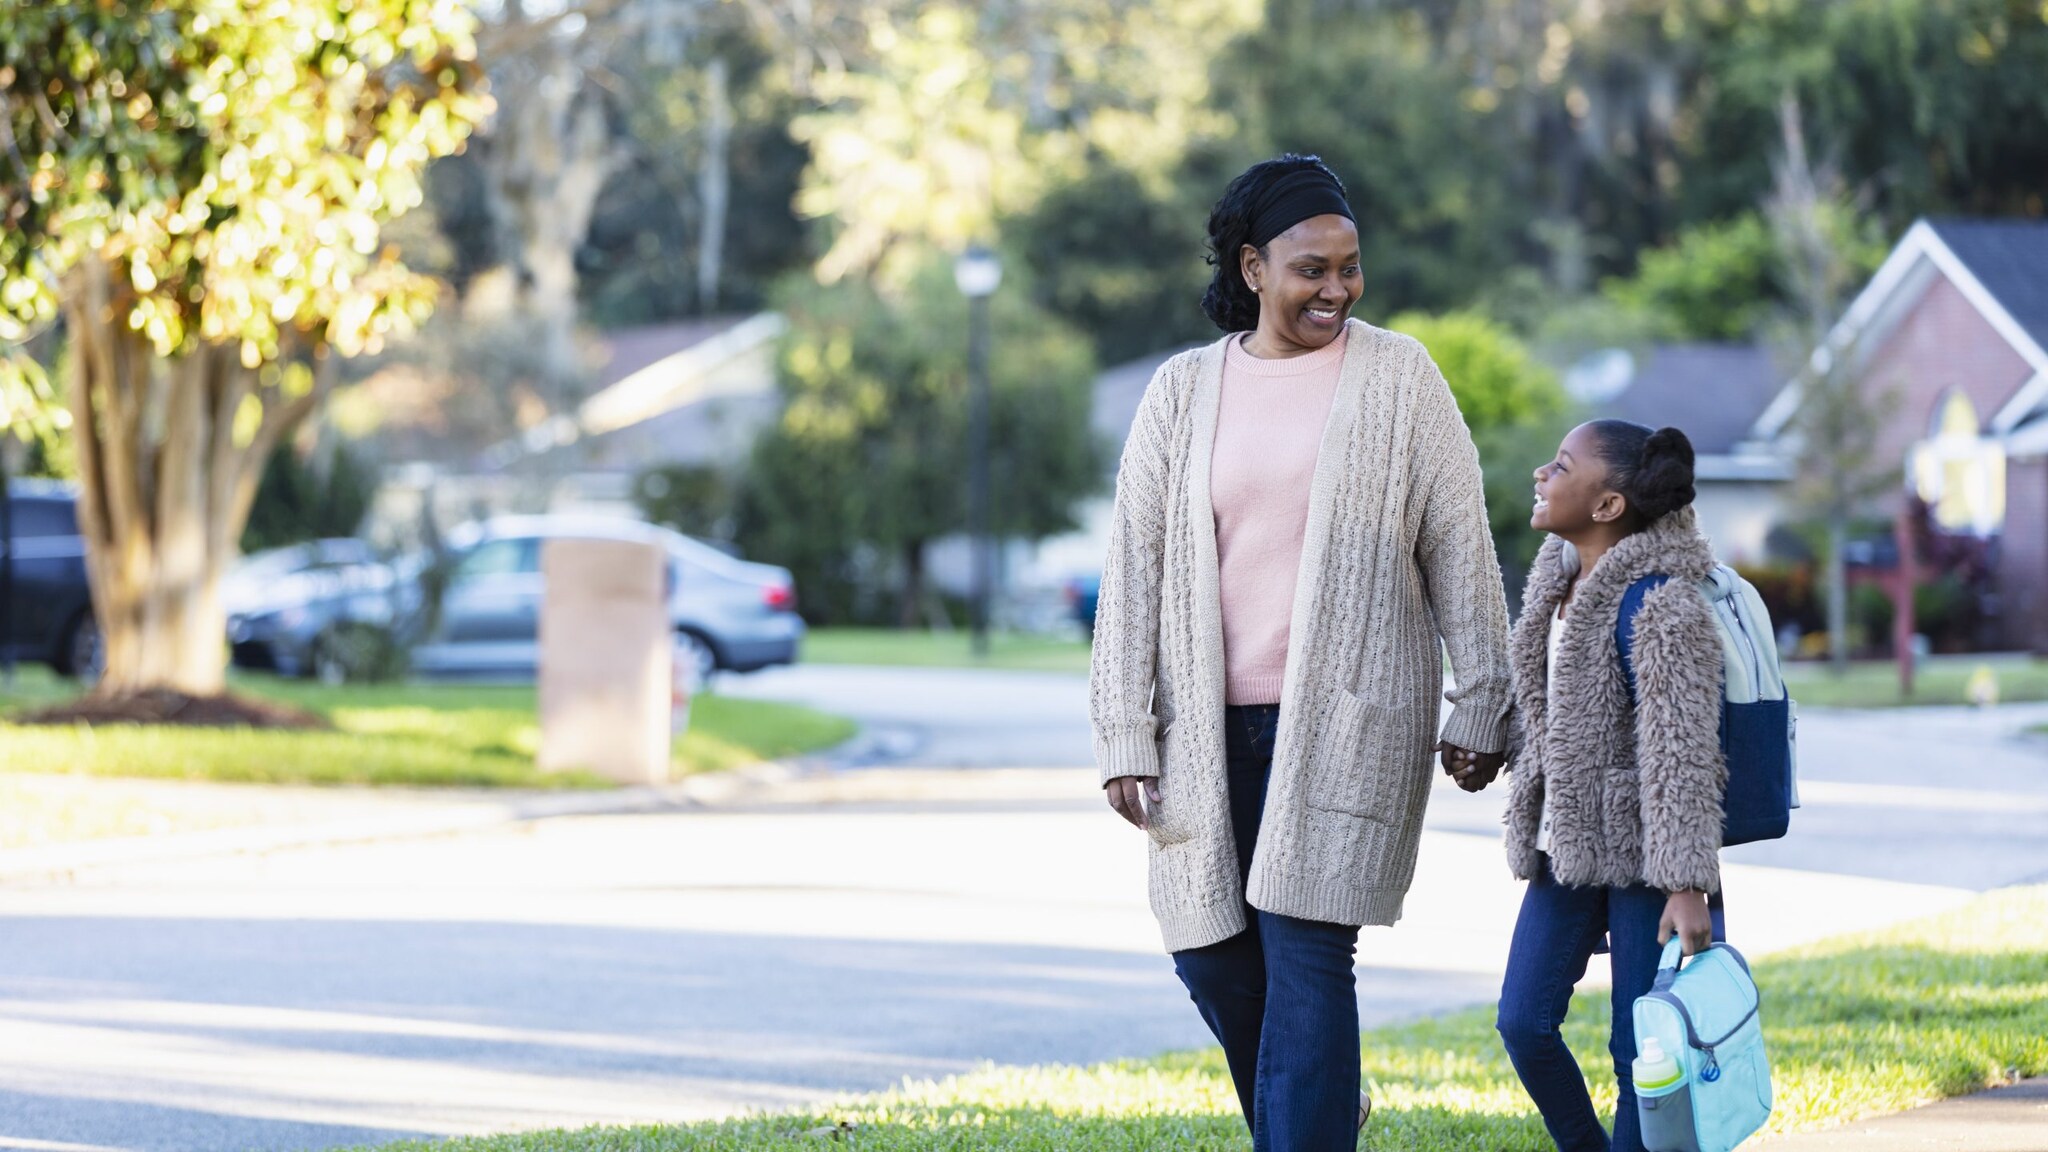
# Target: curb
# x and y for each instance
(712, 790)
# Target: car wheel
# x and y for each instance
(699, 657)
(85, 652)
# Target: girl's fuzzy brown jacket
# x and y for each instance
(1635, 792)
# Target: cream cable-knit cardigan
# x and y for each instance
(1397, 553)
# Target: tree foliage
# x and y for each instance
(951, 116)
(868, 463)
(1515, 407)
(315, 496)
(231, 159)
(200, 186)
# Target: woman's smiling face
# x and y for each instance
(1308, 281)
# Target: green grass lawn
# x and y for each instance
(1943, 680)
(943, 650)
(407, 734)
(1856, 1026)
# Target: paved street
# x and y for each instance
(840, 934)
(942, 717)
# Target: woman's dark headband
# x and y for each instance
(1293, 198)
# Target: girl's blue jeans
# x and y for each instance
(1556, 935)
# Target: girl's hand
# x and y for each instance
(1467, 769)
(1685, 914)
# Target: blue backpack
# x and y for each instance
(1759, 722)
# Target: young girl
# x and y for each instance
(1615, 813)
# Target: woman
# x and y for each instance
(1298, 523)
(1615, 815)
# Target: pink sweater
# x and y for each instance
(1269, 428)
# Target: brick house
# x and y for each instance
(1951, 335)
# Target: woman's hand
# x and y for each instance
(1125, 798)
(1470, 770)
(1685, 913)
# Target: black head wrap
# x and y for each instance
(1295, 197)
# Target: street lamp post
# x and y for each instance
(978, 273)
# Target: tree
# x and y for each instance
(324, 493)
(544, 156)
(198, 185)
(1838, 421)
(696, 499)
(701, 219)
(1924, 106)
(868, 463)
(949, 117)
(1517, 412)
(1726, 279)
(1715, 282)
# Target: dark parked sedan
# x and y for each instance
(291, 610)
(42, 576)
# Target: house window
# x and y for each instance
(1960, 473)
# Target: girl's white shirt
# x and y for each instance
(1550, 678)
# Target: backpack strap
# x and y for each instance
(1625, 626)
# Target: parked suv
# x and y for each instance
(49, 606)
(728, 614)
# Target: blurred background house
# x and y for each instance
(692, 394)
(1949, 340)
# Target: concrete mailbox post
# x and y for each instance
(606, 660)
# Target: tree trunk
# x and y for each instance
(546, 157)
(714, 184)
(913, 584)
(169, 456)
(1838, 594)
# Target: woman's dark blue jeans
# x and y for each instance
(1555, 936)
(1280, 995)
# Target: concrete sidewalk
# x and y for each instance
(2009, 1119)
(360, 816)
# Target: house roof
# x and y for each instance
(1118, 390)
(711, 431)
(1999, 265)
(2010, 259)
(628, 350)
(1711, 392)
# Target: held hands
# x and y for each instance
(1124, 796)
(1685, 914)
(1469, 770)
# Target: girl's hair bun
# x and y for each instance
(1664, 477)
(1653, 470)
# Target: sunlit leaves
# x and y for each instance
(235, 158)
(956, 115)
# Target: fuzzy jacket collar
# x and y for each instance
(1672, 546)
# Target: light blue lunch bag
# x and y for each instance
(1706, 1017)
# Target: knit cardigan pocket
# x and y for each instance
(1172, 820)
(1350, 769)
